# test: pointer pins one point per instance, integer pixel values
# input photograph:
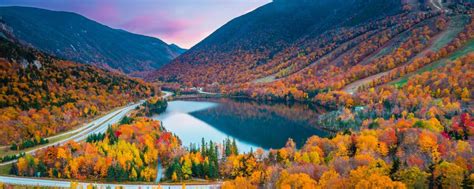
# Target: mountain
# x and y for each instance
(75, 37)
(41, 95)
(256, 37)
(284, 21)
(316, 45)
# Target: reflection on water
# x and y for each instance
(189, 106)
(251, 124)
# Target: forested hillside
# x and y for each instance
(341, 47)
(77, 38)
(41, 95)
(366, 65)
(244, 48)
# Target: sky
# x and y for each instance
(182, 22)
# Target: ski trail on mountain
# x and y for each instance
(438, 6)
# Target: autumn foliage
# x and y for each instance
(129, 152)
(41, 96)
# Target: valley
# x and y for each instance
(292, 94)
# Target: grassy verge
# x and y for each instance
(5, 169)
(7, 151)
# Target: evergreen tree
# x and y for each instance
(111, 174)
(227, 146)
(467, 183)
(117, 173)
(205, 169)
(213, 171)
(175, 168)
(234, 147)
(42, 169)
(210, 151)
(112, 138)
(14, 169)
(395, 167)
(126, 120)
(203, 147)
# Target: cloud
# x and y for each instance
(158, 24)
(102, 11)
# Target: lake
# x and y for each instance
(253, 125)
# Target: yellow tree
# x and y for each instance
(238, 183)
(450, 175)
(413, 177)
(332, 179)
(299, 180)
(186, 167)
(378, 181)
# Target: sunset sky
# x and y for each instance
(183, 22)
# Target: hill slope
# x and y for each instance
(255, 39)
(297, 49)
(74, 37)
(41, 95)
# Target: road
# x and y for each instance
(67, 184)
(97, 126)
(200, 91)
(82, 128)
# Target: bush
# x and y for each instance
(95, 137)
(8, 158)
(28, 144)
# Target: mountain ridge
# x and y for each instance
(75, 37)
(267, 44)
(272, 28)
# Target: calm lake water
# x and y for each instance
(252, 124)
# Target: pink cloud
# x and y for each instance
(167, 27)
(102, 11)
(157, 23)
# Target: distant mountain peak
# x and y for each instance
(177, 47)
